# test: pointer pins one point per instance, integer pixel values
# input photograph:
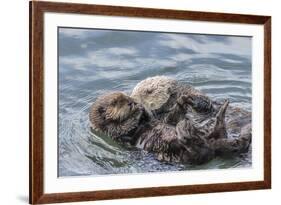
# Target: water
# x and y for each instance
(93, 62)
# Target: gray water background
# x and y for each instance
(93, 62)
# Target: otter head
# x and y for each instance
(154, 92)
(116, 115)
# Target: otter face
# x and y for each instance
(115, 114)
(153, 92)
(119, 107)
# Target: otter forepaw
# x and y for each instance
(183, 99)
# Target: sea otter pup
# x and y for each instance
(125, 120)
(169, 100)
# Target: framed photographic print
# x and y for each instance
(136, 102)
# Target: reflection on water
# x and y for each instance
(93, 62)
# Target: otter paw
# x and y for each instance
(184, 99)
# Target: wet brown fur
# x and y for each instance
(120, 117)
(112, 115)
(177, 101)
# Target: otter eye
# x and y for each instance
(101, 110)
(114, 102)
(149, 91)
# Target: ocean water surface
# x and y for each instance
(93, 62)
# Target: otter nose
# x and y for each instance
(131, 104)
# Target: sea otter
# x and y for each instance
(125, 120)
(171, 101)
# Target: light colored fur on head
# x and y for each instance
(117, 113)
(153, 92)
